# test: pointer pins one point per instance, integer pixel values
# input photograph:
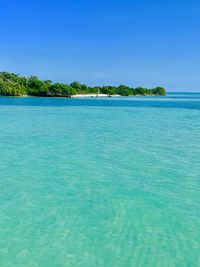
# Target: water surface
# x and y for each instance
(100, 182)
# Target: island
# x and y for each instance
(12, 84)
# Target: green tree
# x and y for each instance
(61, 89)
(37, 87)
(124, 90)
(158, 91)
(12, 89)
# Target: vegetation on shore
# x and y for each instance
(15, 85)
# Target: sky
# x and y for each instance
(97, 42)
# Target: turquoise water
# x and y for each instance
(100, 182)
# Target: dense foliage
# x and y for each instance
(15, 85)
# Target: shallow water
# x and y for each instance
(100, 182)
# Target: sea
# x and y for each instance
(100, 182)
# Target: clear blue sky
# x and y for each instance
(138, 42)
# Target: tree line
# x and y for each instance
(15, 85)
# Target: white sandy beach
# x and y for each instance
(93, 95)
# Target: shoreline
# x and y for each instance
(83, 96)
